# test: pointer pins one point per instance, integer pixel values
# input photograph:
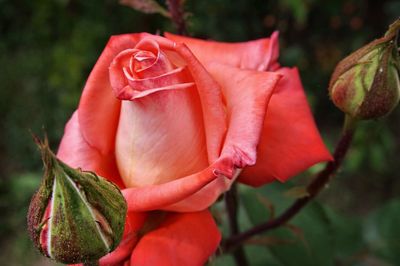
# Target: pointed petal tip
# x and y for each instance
(224, 167)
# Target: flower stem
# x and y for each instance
(231, 202)
(319, 182)
(175, 7)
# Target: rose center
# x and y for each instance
(143, 68)
(142, 60)
(139, 61)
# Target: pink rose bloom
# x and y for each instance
(174, 122)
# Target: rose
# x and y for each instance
(174, 121)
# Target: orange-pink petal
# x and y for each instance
(133, 225)
(161, 138)
(290, 141)
(261, 54)
(211, 101)
(98, 108)
(159, 196)
(206, 196)
(138, 72)
(247, 93)
(182, 239)
(77, 152)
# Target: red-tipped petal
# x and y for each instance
(76, 152)
(182, 239)
(159, 196)
(290, 141)
(261, 54)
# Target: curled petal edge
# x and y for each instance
(158, 196)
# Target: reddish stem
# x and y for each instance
(231, 203)
(175, 7)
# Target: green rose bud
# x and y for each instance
(365, 84)
(75, 216)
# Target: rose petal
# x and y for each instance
(211, 101)
(130, 94)
(204, 197)
(158, 196)
(247, 93)
(261, 54)
(98, 108)
(175, 77)
(161, 138)
(76, 152)
(182, 239)
(133, 224)
(178, 78)
(290, 141)
(159, 65)
(158, 74)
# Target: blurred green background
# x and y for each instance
(48, 47)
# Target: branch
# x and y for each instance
(175, 7)
(313, 189)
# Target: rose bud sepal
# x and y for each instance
(365, 84)
(75, 216)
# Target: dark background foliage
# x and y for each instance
(48, 47)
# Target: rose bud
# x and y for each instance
(75, 216)
(365, 84)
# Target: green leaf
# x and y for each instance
(382, 231)
(223, 260)
(317, 235)
(346, 234)
(306, 241)
(259, 256)
(312, 244)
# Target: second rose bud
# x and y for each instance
(365, 85)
